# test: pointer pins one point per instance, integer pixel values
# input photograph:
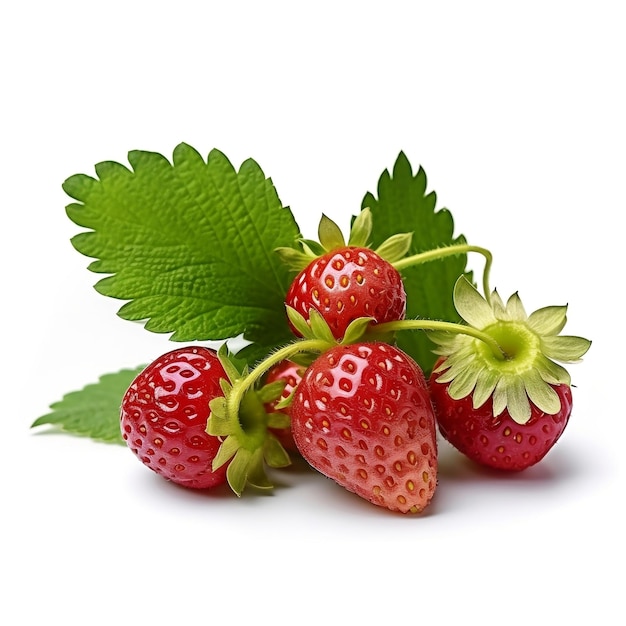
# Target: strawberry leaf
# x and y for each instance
(189, 244)
(404, 206)
(94, 411)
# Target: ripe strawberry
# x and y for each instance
(348, 283)
(498, 442)
(164, 416)
(362, 416)
(343, 280)
(499, 396)
(291, 374)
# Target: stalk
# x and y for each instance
(440, 253)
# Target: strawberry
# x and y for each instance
(290, 373)
(499, 395)
(164, 416)
(346, 281)
(362, 416)
(499, 441)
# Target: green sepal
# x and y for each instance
(238, 470)
(226, 452)
(233, 367)
(361, 229)
(471, 306)
(299, 323)
(525, 372)
(330, 238)
(219, 424)
(271, 391)
(566, 349)
(356, 330)
(295, 260)
(255, 472)
(274, 454)
(320, 328)
(330, 234)
(247, 444)
(304, 359)
(278, 419)
(312, 248)
(549, 320)
(395, 248)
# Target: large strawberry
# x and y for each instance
(164, 419)
(362, 416)
(499, 395)
(345, 281)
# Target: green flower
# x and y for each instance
(523, 367)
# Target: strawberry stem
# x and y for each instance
(450, 327)
(242, 385)
(439, 253)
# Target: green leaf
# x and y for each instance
(403, 205)
(189, 245)
(94, 411)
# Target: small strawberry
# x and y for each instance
(362, 416)
(499, 396)
(165, 414)
(290, 374)
(345, 281)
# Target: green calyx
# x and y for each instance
(239, 416)
(508, 355)
(331, 238)
(247, 442)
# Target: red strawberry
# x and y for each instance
(291, 374)
(498, 442)
(362, 416)
(343, 280)
(499, 395)
(164, 416)
(348, 283)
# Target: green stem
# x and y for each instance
(439, 253)
(241, 386)
(450, 327)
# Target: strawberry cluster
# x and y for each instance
(346, 398)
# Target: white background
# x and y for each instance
(515, 111)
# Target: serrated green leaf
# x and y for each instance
(189, 244)
(94, 410)
(403, 205)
